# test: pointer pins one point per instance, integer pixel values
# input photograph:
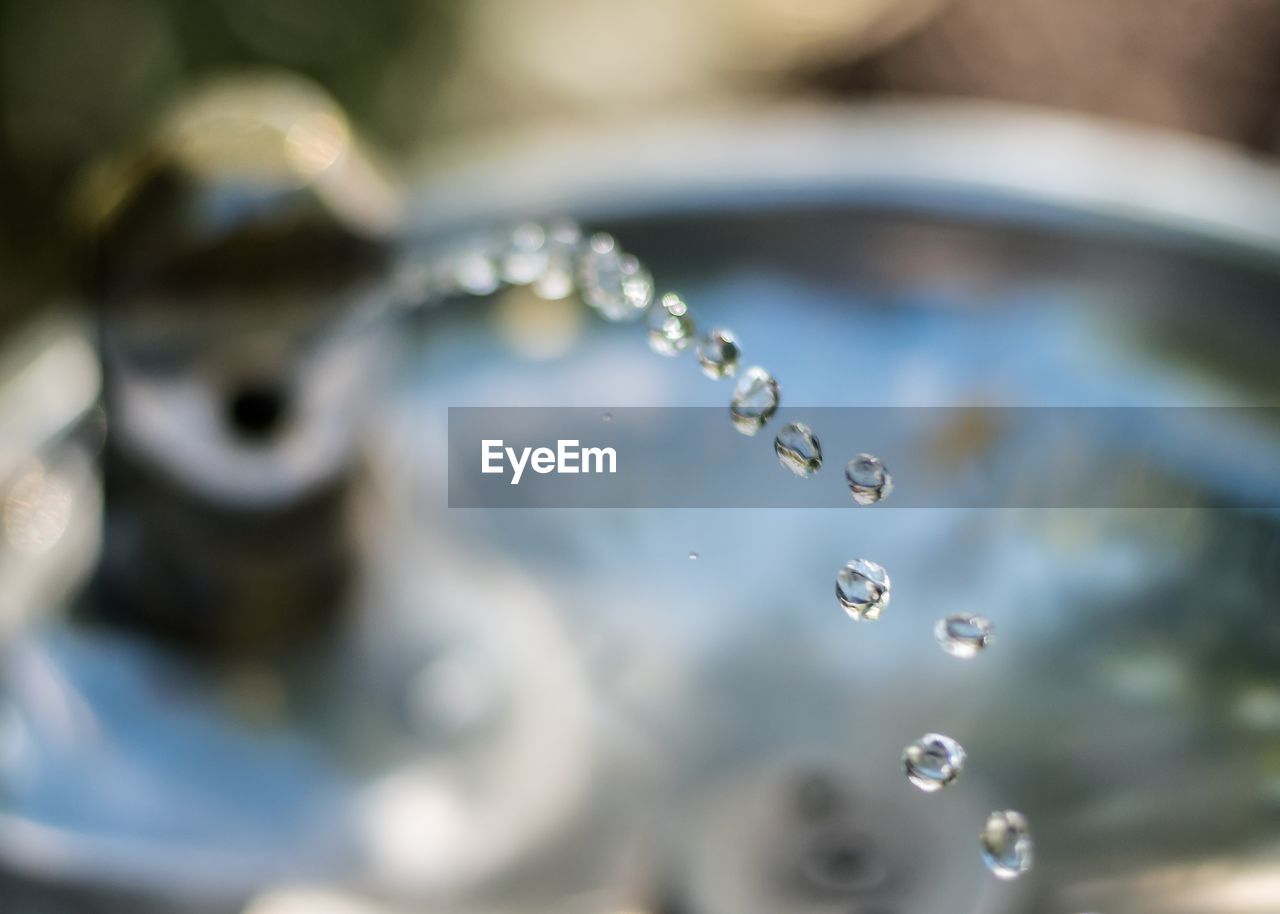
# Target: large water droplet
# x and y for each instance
(614, 283)
(525, 257)
(863, 589)
(718, 354)
(755, 399)
(798, 449)
(564, 238)
(671, 326)
(964, 634)
(1006, 844)
(868, 480)
(933, 761)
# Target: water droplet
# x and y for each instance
(564, 238)
(868, 480)
(670, 325)
(525, 256)
(607, 417)
(718, 354)
(963, 634)
(863, 589)
(614, 283)
(693, 556)
(755, 399)
(933, 761)
(1006, 844)
(475, 269)
(798, 449)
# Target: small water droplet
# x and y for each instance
(964, 634)
(798, 449)
(755, 399)
(862, 587)
(475, 270)
(525, 257)
(718, 354)
(671, 326)
(1007, 848)
(614, 283)
(564, 239)
(607, 417)
(933, 761)
(693, 556)
(868, 480)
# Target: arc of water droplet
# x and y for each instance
(862, 586)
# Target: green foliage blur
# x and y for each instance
(82, 79)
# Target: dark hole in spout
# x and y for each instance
(256, 412)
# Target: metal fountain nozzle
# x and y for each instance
(239, 277)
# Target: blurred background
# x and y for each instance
(82, 81)
(252, 252)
